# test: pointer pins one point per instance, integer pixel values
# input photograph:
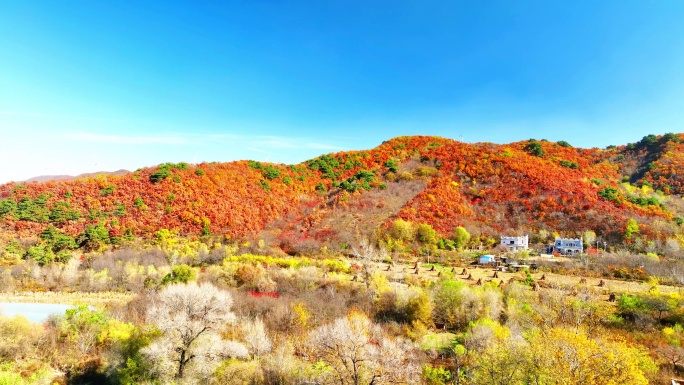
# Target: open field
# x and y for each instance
(99, 299)
(401, 272)
(486, 273)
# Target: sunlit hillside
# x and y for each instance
(528, 187)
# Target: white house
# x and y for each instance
(515, 243)
(568, 246)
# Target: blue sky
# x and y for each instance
(88, 86)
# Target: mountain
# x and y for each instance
(46, 178)
(531, 187)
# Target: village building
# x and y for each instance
(515, 243)
(567, 246)
(487, 260)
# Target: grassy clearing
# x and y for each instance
(437, 341)
(100, 299)
(486, 273)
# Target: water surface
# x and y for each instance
(35, 312)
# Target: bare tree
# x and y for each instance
(189, 316)
(674, 356)
(256, 338)
(555, 306)
(678, 272)
(368, 256)
(361, 354)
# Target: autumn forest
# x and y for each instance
(356, 267)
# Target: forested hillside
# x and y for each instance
(535, 187)
(186, 273)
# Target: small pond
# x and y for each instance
(35, 312)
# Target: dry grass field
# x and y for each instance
(99, 299)
(405, 272)
(483, 274)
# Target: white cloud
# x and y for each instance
(224, 136)
(259, 151)
(128, 139)
(271, 142)
(292, 143)
(322, 146)
(58, 117)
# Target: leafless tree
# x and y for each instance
(554, 306)
(368, 256)
(361, 354)
(189, 316)
(678, 272)
(674, 355)
(256, 338)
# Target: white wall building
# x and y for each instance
(515, 243)
(568, 246)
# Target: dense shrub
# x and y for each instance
(534, 148)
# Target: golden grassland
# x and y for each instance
(485, 274)
(99, 299)
(402, 272)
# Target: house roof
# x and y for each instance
(677, 382)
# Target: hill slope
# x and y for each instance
(525, 187)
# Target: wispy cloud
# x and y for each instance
(260, 151)
(292, 143)
(268, 141)
(263, 142)
(224, 136)
(128, 139)
(24, 114)
(323, 146)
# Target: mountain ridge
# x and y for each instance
(531, 186)
(47, 178)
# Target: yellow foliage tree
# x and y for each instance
(569, 356)
(402, 230)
